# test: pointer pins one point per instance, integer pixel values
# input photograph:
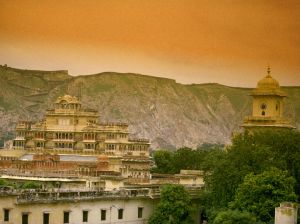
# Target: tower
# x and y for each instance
(267, 105)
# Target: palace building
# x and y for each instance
(68, 127)
(72, 142)
(267, 106)
(89, 172)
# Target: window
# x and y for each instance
(263, 106)
(25, 218)
(6, 215)
(46, 218)
(140, 212)
(66, 217)
(110, 146)
(120, 213)
(263, 113)
(103, 214)
(64, 122)
(85, 216)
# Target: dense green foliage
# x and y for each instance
(30, 185)
(174, 206)
(234, 217)
(185, 159)
(250, 155)
(24, 185)
(260, 193)
(3, 183)
(164, 162)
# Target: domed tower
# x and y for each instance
(268, 105)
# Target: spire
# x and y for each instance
(268, 71)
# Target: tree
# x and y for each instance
(186, 159)
(242, 158)
(163, 161)
(174, 206)
(261, 193)
(285, 147)
(234, 217)
(210, 146)
(255, 153)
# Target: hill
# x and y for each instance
(170, 114)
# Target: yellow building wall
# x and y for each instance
(271, 102)
(35, 211)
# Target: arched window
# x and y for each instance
(277, 106)
(263, 113)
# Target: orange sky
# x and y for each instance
(193, 41)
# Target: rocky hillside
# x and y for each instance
(168, 113)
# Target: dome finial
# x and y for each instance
(268, 70)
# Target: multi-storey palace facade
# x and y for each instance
(68, 127)
(72, 142)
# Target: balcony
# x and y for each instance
(266, 120)
(59, 112)
(141, 140)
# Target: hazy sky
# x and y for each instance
(193, 41)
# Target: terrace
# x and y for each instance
(56, 196)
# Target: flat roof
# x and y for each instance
(79, 158)
(12, 153)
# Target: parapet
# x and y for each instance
(286, 213)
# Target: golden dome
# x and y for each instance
(268, 86)
(268, 82)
